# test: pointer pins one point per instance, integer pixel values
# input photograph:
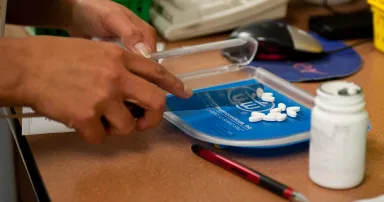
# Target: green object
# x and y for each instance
(139, 7)
(52, 32)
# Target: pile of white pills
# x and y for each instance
(275, 114)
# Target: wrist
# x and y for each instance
(13, 60)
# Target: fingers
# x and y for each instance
(157, 74)
(131, 35)
(147, 30)
(150, 35)
(119, 119)
(147, 96)
(91, 129)
(141, 92)
(150, 119)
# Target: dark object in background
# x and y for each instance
(279, 41)
(343, 26)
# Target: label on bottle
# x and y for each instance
(337, 153)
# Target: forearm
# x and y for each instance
(40, 13)
(12, 72)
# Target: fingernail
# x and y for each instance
(143, 49)
(143, 124)
(188, 91)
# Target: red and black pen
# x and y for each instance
(249, 174)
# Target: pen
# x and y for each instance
(249, 174)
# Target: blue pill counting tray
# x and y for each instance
(229, 125)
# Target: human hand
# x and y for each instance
(107, 19)
(76, 82)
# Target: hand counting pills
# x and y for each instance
(339, 125)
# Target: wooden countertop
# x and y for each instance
(158, 165)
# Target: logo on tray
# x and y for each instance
(307, 68)
(248, 99)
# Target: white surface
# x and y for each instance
(338, 138)
(41, 125)
(182, 19)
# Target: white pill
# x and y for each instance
(269, 118)
(274, 114)
(255, 118)
(259, 92)
(296, 109)
(291, 113)
(268, 98)
(268, 94)
(275, 110)
(282, 106)
(257, 114)
(281, 117)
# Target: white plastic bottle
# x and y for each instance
(339, 125)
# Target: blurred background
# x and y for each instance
(184, 19)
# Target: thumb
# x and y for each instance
(130, 35)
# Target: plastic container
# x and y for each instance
(228, 79)
(377, 7)
(230, 66)
(338, 136)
